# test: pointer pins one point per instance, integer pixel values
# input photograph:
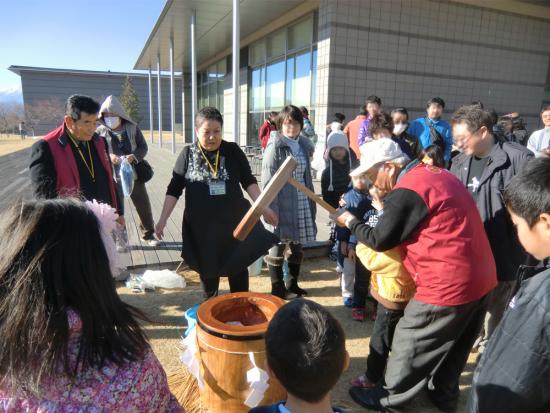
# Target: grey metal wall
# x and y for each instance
(57, 87)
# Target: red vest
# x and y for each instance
(68, 178)
(448, 255)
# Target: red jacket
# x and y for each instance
(68, 178)
(265, 131)
(448, 255)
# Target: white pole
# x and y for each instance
(236, 88)
(159, 96)
(151, 126)
(193, 74)
(172, 96)
(183, 105)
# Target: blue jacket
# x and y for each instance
(421, 130)
(357, 203)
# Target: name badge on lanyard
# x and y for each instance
(216, 187)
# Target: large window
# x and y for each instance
(210, 85)
(283, 70)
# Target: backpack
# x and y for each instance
(435, 136)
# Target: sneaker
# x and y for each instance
(348, 301)
(358, 314)
(151, 240)
(362, 382)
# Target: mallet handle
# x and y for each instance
(311, 195)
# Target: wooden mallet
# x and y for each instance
(279, 180)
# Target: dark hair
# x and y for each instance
(401, 110)
(52, 259)
(273, 114)
(290, 112)
(208, 113)
(528, 193)
(306, 349)
(544, 109)
(474, 117)
(339, 117)
(379, 122)
(373, 99)
(477, 103)
(435, 101)
(304, 110)
(76, 104)
(363, 110)
(435, 153)
(494, 115)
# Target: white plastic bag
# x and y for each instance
(164, 279)
(319, 162)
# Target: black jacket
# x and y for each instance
(513, 374)
(506, 159)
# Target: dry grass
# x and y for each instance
(13, 143)
(165, 308)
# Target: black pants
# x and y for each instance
(380, 342)
(361, 285)
(430, 348)
(237, 283)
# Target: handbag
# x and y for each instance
(144, 171)
(435, 136)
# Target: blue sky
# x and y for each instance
(77, 34)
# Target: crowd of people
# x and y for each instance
(442, 235)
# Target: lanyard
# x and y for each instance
(90, 167)
(213, 168)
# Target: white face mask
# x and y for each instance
(399, 128)
(112, 122)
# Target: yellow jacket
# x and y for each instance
(389, 278)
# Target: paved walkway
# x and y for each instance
(15, 184)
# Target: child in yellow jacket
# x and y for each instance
(392, 286)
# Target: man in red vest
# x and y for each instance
(72, 160)
(430, 215)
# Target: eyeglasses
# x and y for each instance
(461, 140)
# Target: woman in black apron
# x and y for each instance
(212, 172)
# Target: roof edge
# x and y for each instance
(18, 69)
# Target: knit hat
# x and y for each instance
(337, 139)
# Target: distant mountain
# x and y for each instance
(11, 94)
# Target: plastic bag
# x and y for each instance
(138, 285)
(319, 162)
(126, 177)
(164, 279)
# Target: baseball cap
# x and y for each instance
(377, 151)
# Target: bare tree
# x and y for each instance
(46, 112)
(11, 114)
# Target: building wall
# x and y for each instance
(57, 87)
(407, 51)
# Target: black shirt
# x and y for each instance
(477, 166)
(91, 189)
